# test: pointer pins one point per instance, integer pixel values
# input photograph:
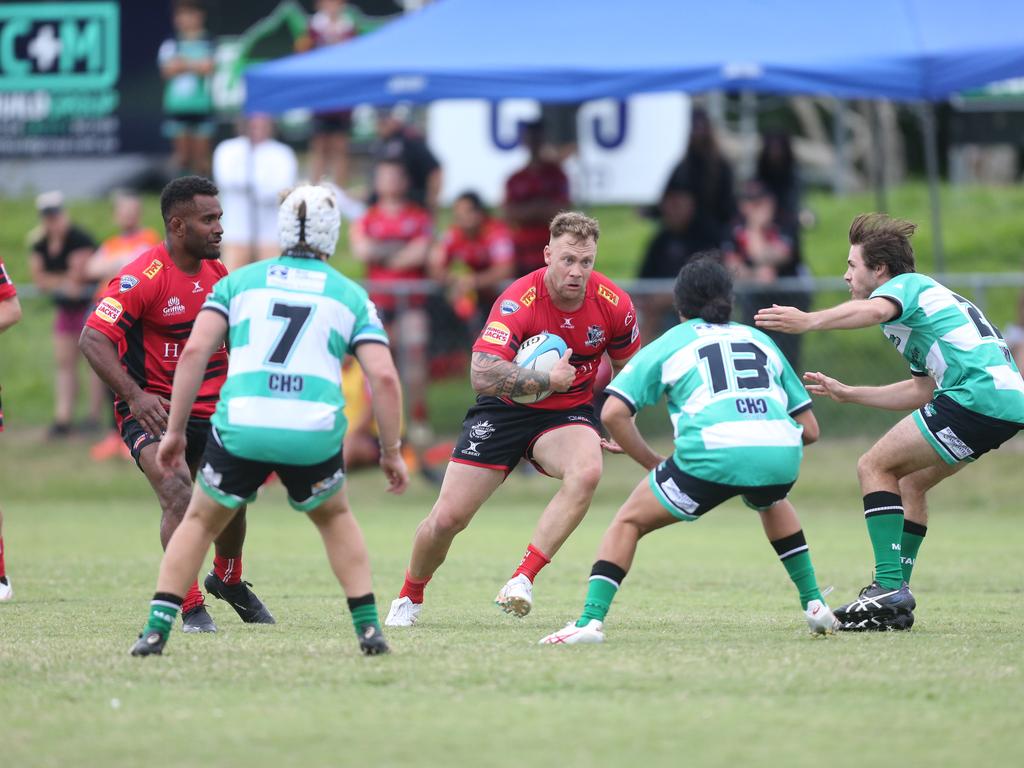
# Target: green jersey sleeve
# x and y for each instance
(798, 400)
(639, 384)
(220, 298)
(368, 326)
(901, 290)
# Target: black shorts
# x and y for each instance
(688, 497)
(496, 434)
(233, 481)
(959, 434)
(197, 431)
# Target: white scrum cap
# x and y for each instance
(309, 216)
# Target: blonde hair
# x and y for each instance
(574, 223)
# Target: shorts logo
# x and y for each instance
(528, 298)
(139, 441)
(323, 486)
(174, 306)
(211, 477)
(608, 295)
(109, 310)
(595, 336)
(677, 497)
(573, 417)
(127, 283)
(155, 266)
(472, 450)
(953, 443)
(496, 333)
(509, 307)
(929, 410)
(482, 430)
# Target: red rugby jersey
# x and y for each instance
(493, 245)
(605, 323)
(7, 290)
(404, 225)
(148, 311)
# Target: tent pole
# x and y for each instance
(839, 146)
(931, 160)
(879, 147)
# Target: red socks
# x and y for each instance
(193, 598)
(413, 589)
(3, 568)
(532, 563)
(228, 569)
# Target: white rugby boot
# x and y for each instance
(404, 613)
(6, 590)
(570, 634)
(820, 618)
(516, 597)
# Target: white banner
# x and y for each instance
(626, 149)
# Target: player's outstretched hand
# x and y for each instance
(150, 411)
(170, 453)
(825, 386)
(562, 373)
(611, 446)
(783, 319)
(394, 469)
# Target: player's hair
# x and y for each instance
(574, 223)
(473, 199)
(188, 5)
(183, 191)
(704, 289)
(884, 241)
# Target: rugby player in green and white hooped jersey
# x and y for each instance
(741, 418)
(965, 387)
(289, 323)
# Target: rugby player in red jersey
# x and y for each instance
(133, 339)
(10, 313)
(558, 434)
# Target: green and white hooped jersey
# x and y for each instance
(731, 397)
(945, 336)
(292, 321)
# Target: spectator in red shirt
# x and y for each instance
(475, 258)
(393, 240)
(533, 195)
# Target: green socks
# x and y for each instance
(364, 612)
(163, 610)
(605, 578)
(795, 556)
(913, 535)
(883, 513)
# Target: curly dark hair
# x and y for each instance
(884, 240)
(704, 288)
(181, 192)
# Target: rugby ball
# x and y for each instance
(539, 353)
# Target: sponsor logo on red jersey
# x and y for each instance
(529, 297)
(109, 310)
(155, 266)
(608, 295)
(496, 333)
(174, 306)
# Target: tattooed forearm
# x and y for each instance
(490, 375)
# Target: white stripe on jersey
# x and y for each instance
(275, 413)
(781, 433)
(1005, 377)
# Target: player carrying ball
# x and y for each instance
(558, 434)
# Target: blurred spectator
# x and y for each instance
(679, 237)
(533, 195)
(559, 123)
(57, 263)
(705, 173)
(106, 263)
(186, 63)
(1014, 335)
(393, 239)
(474, 259)
(399, 142)
(333, 22)
(759, 252)
(251, 170)
(130, 241)
(776, 170)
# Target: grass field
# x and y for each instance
(708, 661)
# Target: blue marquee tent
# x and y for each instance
(573, 50)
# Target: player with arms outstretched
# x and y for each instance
(290, 321)
(133, 340)
(965, 387)
(741, 418)
(558, 434)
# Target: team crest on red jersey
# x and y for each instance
(595, 336)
